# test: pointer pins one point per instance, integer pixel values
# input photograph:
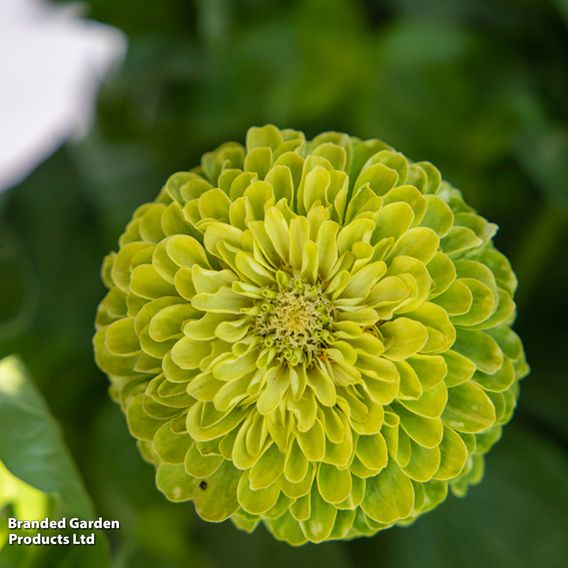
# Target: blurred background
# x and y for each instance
(478, 88)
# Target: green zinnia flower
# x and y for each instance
(315, 335)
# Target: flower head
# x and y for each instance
(315, 335)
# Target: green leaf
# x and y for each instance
(32, 450)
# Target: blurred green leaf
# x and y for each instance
(19, 292)
(562, 8)
(33, 451)
(542, 148)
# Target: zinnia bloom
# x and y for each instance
(315, 335)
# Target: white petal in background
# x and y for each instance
(51, 65)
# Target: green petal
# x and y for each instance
(410, 385)
(334, 484)
(259, 501)
(169, 445)
(231, 367)
(454, 455)
(147, 283)
(360, 283)
(140, 423)
(443, 273)
(393, 220)
(431, 404)
(423, 464)
(403, 449)
(335, 424)
(215, 498)
(460, 368)
(296, 465)
(174, 482)
(305, 410)
(322, 518)
(483, 305)
(459, 240)
(389, 496)
(441, 332)
(257, 197)
(500, 380)
(469, 409)
(355, 496)
(201, 466)
(333, 153)
(314, 188)
(500, 266)
(322, 385)
(355, 232)
(258, 161)
(411, 195)
(420, 243)
(224, 301)
(433, 179)
(379, 177)
(383, 390)
(185, 251)
(299, 489)
(425, 431)
(122, 262)
(339, 454)
(205, 423)
(456, 300)
(480, 348)
(364, 200)
(327, 247)
(510, 344)
(240, 183)
(120, 338)
(504, 313)
(267, 469)
(403, 337)
(168, 322)
(288, 529)
(276, 387)
(231, 393)
(204, 328)
(417, 271)
(430, 369)
(280, 178)
(252, 270)
(477, 224)
(300, 508)
(343, 523)
(260, 136)
(372, 451)
(188, 354)
(277, 231)
(312, 442)
(438, 215)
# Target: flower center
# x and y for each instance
(295, 322)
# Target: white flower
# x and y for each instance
(51, 65)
